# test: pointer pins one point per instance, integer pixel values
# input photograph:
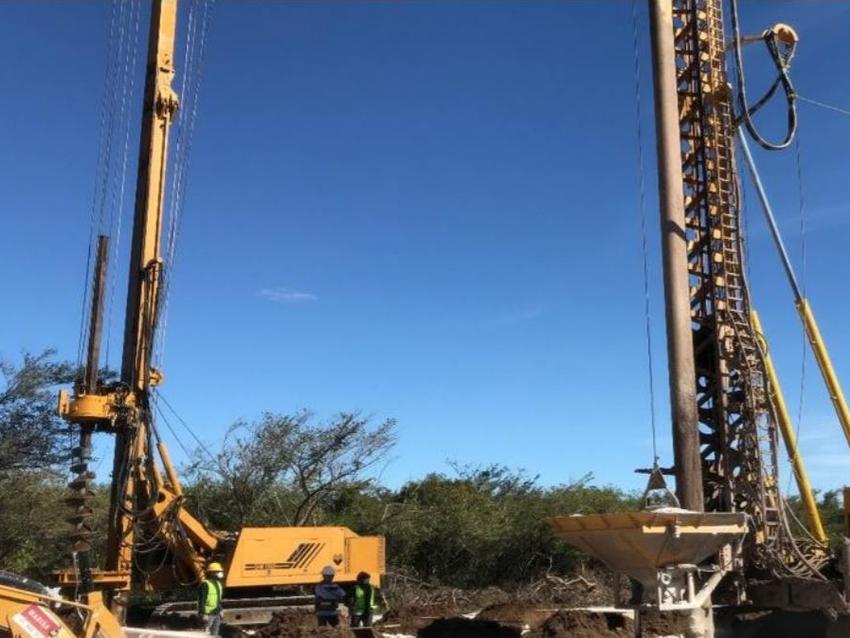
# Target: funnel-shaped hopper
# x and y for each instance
(640, 543)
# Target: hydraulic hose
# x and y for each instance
(782, 61)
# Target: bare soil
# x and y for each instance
(301, 623)
(418, 606)
(732, 623)
(517, 614)
(410, 619)
(466, 628)
(285, 618)
(584, 624)
(660, 623)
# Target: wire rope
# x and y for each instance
(119, 198)
(195, 58)
(647, 306)
(186, 426)
(171, 429)
(804, 341)
(100, 172)
(824, 105)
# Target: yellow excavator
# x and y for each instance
(153, 542)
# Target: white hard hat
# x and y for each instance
(328, 571)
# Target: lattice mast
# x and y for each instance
(716, 365)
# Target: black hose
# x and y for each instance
(782, 62)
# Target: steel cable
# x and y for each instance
(187, 428)
(119, 202)
(824, 105)
(100, 173)
(647, 307)
(803, 269)
(171, 429)
(195, 58)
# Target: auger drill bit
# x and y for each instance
(81, 493)
(79, 500)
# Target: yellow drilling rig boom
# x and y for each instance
(146, 498)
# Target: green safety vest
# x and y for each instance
(213, 591)
(360, 605)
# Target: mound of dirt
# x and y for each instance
(286, 618)
(663, 623)
(299, 622)
(585, 624)
(517, 614)
(412, 618)
(467, 628)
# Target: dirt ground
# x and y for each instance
(532, 613)
(517, 614)
(731, 623)
(466, 628)
(659, 623)
(410, 619)
(582, 624)
(301, 623)
(282, 620)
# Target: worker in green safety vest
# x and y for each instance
(210, 594)
(363, 601)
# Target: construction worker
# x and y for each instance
(363, 601)
(328, 597)
(210, 594)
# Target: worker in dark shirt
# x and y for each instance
(328, 597)
(210, 594)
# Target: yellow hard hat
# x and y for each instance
(214, 567)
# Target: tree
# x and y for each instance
(33, 447)
(486, 526)
(282, 469)
(30, 428)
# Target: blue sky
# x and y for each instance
(419, 210)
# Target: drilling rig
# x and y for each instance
(727, 533)
(153, 542)
(725, 413)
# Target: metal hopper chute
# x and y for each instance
(664, 547)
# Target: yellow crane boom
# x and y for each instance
(146, 504)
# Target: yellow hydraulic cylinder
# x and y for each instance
(790, 438)
(833, 385)
(806, 314)
(170, 472)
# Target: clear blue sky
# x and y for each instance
(419, 210)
